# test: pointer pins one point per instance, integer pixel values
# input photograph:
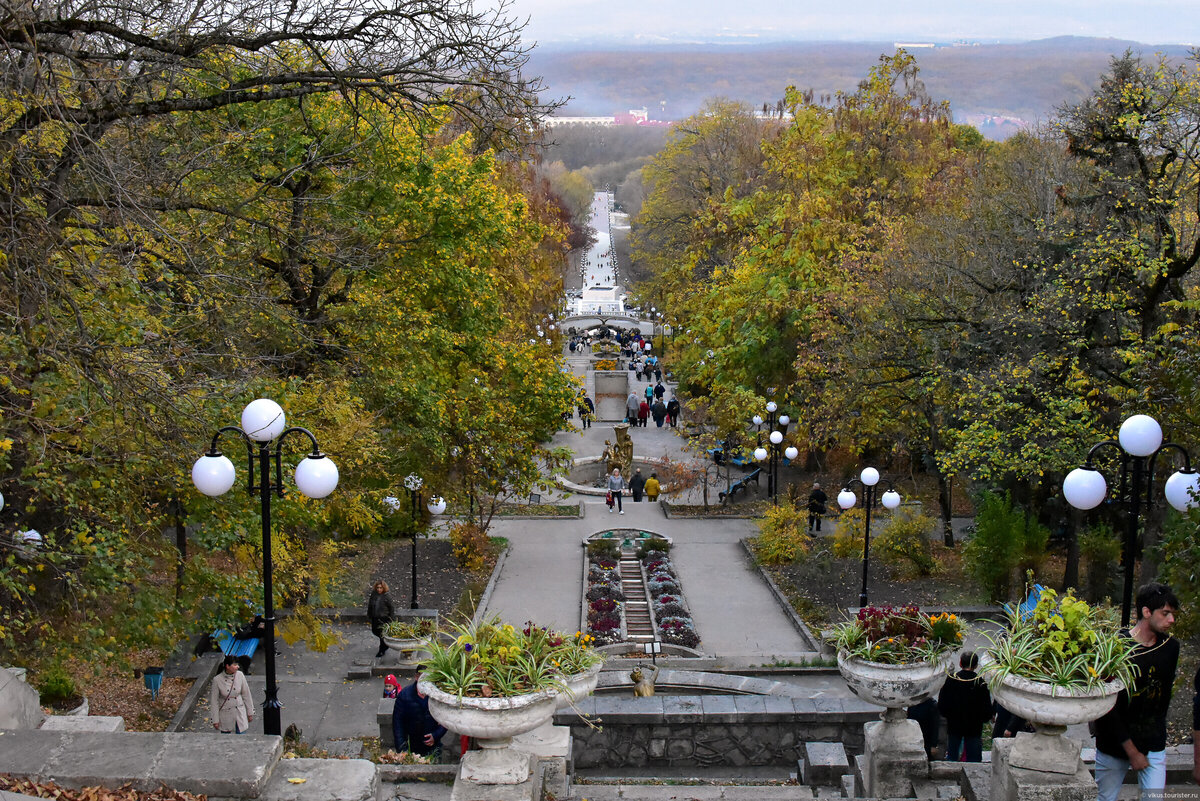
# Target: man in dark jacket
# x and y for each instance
(673, 411)
(637, 484)
(1134, 733)
(659, 412)
(966, 705)
(412, 726)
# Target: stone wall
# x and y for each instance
(612, 388)
(703, 731)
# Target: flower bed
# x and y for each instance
(897, 636)
(671, 613)
(606, 601)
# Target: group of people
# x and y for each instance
(638, 485)
(640, 410)
(1133, 734)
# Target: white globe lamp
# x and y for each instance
(756, 419)
(1182, 489)
(869, 476)
(772, 406)
(1084, 488)
(776, 437)
(1140, 435)
(436, 505)
(316, 476)
(760, 454)
(846, 499)
(263, 420)
(791, 453)
(784, 420)
(890, 499)
(213, 475)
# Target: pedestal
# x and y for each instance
(1011, 783)
(551, 745)
(894, 756)
(467, 790)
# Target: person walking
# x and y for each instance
(413, 728)
(659, 412)
(673, 411)
(649, 393)
(816, 506)
(636, 484)
(1133, 734)
(587, 410)
(379, 612)
(230, 700)
(652, 490)
(643, 413)
(966, 705)
(659, 390)
(632, 404)
(615, 485)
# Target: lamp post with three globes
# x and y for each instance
(868, 480)
(1138, 444)
(264, 424)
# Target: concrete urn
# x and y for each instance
(1051, 708)
(493, 722)
(578, 687)
(896, 687)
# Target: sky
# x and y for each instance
(646, 21)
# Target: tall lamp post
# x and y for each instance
(775, 446)
(413, 483)
(1139, 442)
(868, 480)
(264, 424)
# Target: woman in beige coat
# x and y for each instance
(232, 706)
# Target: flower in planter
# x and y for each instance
(416, 629)
(659, 587)
(603, 605)
(679, 631)
(1064, 641)
(897, 636)
(492, 659)
(605, 590)
(673, 609)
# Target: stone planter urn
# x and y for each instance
(894, 749)
(1051, 708)
(493, 722)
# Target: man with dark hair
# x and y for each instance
(1134, 733)
(966, 705)
(413, 728)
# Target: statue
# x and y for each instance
(643, 687)
(620, 454)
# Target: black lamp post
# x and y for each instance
(774, 447)
(1138, 445)
(868, 480)
(263, 423)
(413, 483)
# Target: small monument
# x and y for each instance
(620, 453)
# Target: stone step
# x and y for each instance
(341, 779)
(692, 792)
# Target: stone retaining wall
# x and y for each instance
(710, 730)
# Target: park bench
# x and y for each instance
(741, 483)
(232, 645)
(740, 459)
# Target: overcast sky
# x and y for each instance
(1147, 21)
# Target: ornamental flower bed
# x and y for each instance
(670, 611)
(606, 601)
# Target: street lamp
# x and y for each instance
(1139, 440)
(868, 480)
(413, 483)
(775, 445)
(263, 423)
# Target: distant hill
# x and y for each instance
(986, 85)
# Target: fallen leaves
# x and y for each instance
(124, 793)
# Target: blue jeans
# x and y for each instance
(956, 744)
(1111, 770)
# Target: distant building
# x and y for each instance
(913, 45)
(550, 122)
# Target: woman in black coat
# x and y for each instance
(379, 612)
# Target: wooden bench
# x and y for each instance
(741, 459)
(741, 483)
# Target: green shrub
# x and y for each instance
(848, 533)
(652, 545)
(56, 685)
(905, 542)
(783, 535)
(606, 547)
(1180, 549)
(1006, 538)
(470, 546)
(1100, 549)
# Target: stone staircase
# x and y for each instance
(638, 626)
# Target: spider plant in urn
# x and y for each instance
(1063, 662)
(896, 657)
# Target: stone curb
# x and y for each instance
(396, 774)
(183, 715)
(577, 516)
(781, 599)
(666, 509)
(485, 599)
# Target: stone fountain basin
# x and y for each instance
(586, 470)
